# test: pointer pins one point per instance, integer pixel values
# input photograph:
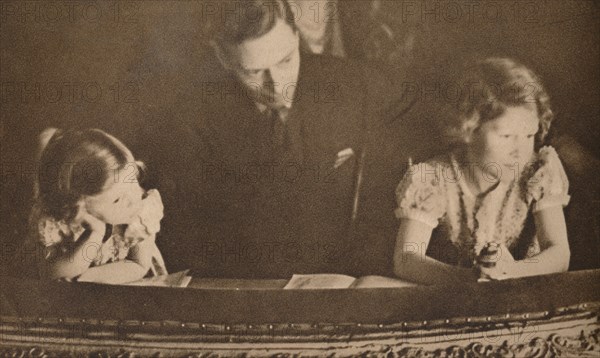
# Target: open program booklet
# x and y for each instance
(320, 281)
(177, 279)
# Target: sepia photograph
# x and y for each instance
(299, 178)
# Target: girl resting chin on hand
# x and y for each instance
(91, 217)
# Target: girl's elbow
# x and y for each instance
(398, 269)
(561, 259)
(398, 266)
(403, 264)
(566, 259)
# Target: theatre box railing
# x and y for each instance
(530, 317)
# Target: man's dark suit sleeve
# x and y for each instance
(392, 137)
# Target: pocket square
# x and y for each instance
(342, 156)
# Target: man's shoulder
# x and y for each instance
(378, 77)
(315, 58)
(334, 66)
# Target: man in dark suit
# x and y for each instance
(272, 159)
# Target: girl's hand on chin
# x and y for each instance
(92, 222)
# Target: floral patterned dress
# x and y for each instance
(436, 194)
(56, 237)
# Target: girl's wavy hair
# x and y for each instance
(78, 163)
(489, 88)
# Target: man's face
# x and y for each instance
(268, 66)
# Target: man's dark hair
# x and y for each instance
(234, 21)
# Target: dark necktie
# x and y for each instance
(280, 136)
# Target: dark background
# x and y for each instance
(113, 65)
